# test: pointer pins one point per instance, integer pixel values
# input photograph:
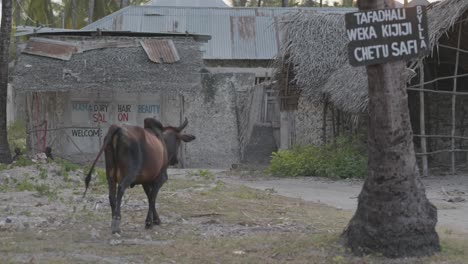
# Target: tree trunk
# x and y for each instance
(123, 3)
(321, 3)
(90, 11)
(73, 13)
(394, 216)
(17, 23)
(284, 3)
(5, 31)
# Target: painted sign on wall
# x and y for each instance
(103, 114)
(97, 112)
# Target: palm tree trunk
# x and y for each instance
(394, 216)
(5, 31)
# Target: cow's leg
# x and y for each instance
(149, 217)
(126, 182)
(156, 188)
(111, 170)
(112, 194)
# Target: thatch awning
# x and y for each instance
(317, 48)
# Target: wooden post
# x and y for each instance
(454, 96)
(324, 122)
(422, 121)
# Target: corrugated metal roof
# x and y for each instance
(160, 51)
(50, 48)
(185, 3)
(236, 33)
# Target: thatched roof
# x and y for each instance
(317, 48)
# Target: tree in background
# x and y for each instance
(5, 32)
(39, 12)
(67, 13)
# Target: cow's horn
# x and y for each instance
(181, 127)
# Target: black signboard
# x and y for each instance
(385, 35)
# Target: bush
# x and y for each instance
(343, 158)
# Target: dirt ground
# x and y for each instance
(205, 219)
(448, 193)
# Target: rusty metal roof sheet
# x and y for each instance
(236, 33)
(50, 48)
(160, 51)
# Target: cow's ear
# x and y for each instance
(187, 137)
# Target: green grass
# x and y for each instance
(45, 190)
(22, 161)
(24, 185)
(3, 166)
(294, 231)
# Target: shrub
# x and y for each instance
(343, 158)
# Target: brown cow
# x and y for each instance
(136, 155)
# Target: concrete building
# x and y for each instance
(102, 75)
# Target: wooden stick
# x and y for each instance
(441, 151)
(454, 97)
(437, 91)
(422, 122)
(441, 78)
(453, 48)
(440, 136)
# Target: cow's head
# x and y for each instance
(172, 137)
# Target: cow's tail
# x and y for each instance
(110, 134)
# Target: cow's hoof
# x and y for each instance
(157, 221)
(149, 225)
(115, 226)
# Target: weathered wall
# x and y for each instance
(78, 121)
(214, 111)
(309, 123)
